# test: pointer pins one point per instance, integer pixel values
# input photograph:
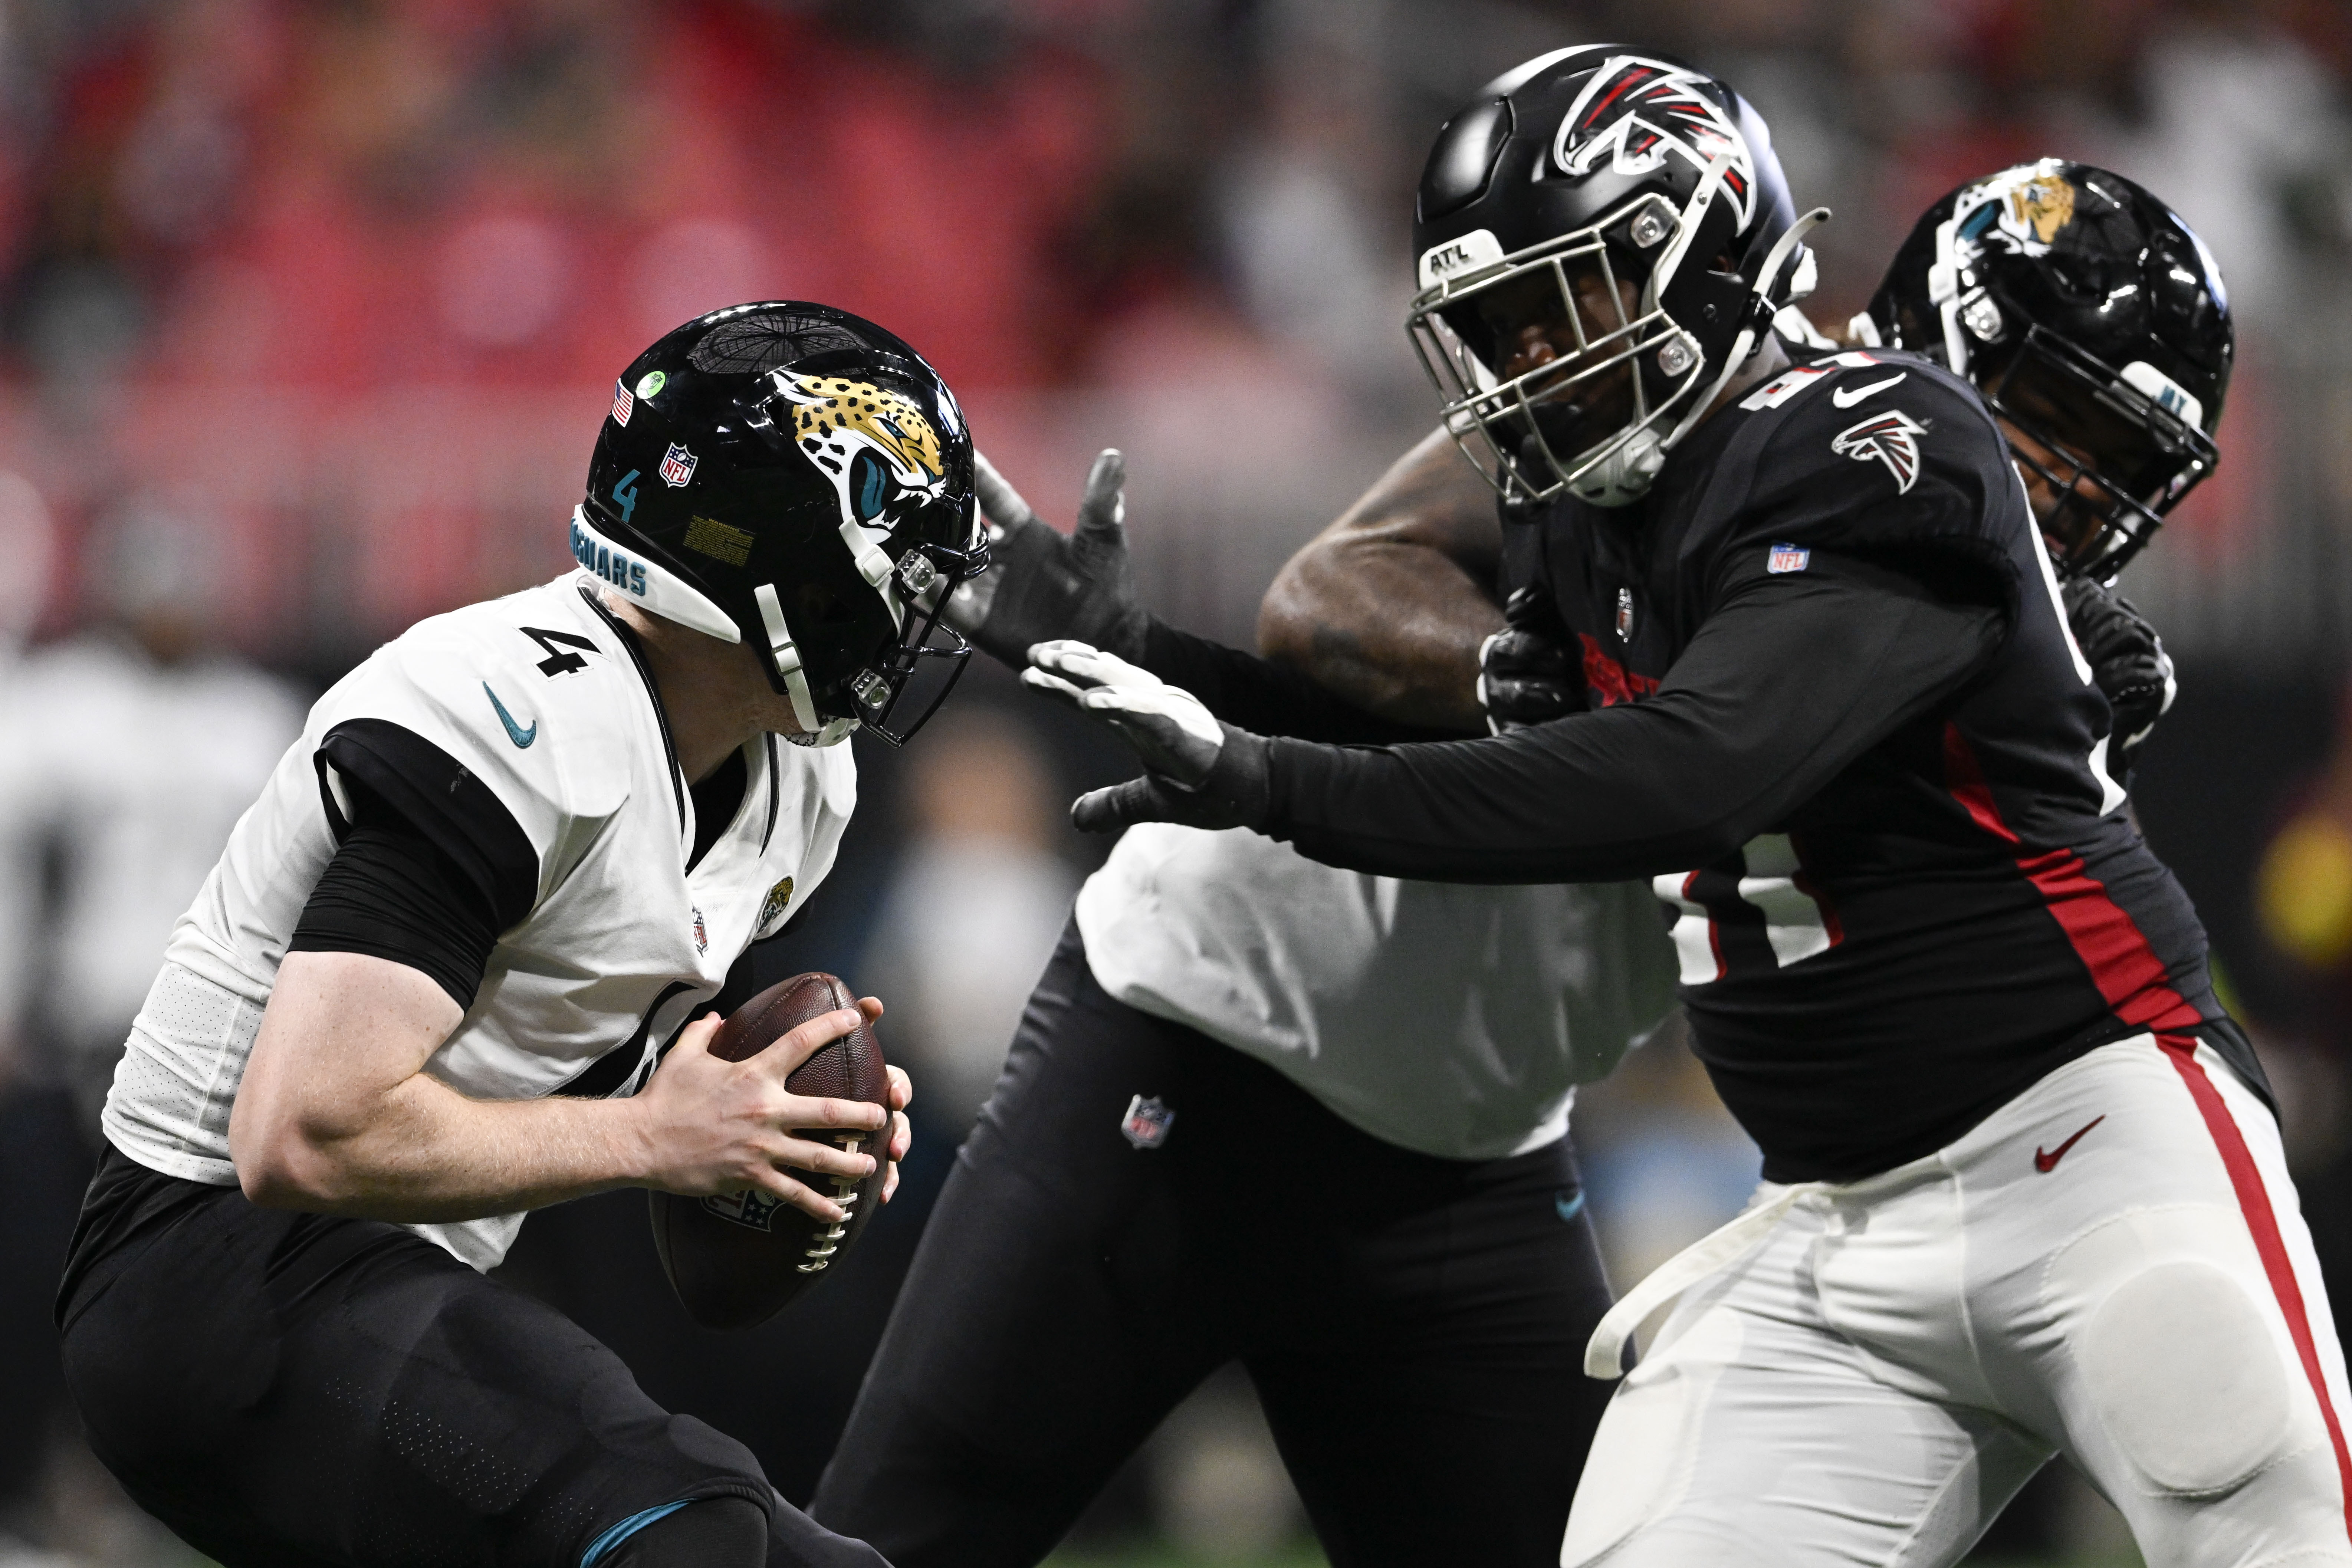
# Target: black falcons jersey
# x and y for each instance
(1836, 717)
(1964, 906)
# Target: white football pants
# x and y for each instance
(2112, 1267)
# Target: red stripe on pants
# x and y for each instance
(2254, 1201)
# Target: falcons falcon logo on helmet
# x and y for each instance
(1638, 110)
(1892, 438)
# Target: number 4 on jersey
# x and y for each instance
(557, 661)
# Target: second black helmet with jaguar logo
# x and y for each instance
(2094, 322)
(791, 476)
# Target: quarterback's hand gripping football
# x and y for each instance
(1525, 676)
(709, 1126)
(2128, 665)
(1042, 586)
(1198, 771)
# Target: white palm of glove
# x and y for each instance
(1171, 731)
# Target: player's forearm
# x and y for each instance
(1780, 692)
(1386, 608)
(336, 1114)
(1263, 696)
(423, 1153)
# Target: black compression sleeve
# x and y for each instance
(1260, 696)
(391, 892)
(411, 778)
(1790, 679)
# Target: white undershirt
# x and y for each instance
(1449, 1019)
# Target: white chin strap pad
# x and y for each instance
(787, 655)
(1626, 474)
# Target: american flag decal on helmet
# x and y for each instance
(1637, 111)
(1892, 438)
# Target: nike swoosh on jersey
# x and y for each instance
(1846, 398)
(515, 733)
(2045, 1164)
(1566, 1207)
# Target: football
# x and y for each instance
(738, 1259)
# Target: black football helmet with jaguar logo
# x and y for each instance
(789, 475)
(1628, 210)
(2095, 323)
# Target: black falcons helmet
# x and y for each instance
(1588, 175)
(790, 475)
(2091, 319)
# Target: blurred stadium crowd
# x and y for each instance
(309, 309)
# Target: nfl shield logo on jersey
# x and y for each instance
(1788, 558)
(1147, 1122)
(678, 466)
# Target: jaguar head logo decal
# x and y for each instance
(2043, 205)
(878, 451)
(826, 409)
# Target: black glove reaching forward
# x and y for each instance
(1042, 586)
(1197, 771)
(2127, 663)
(1525, 676)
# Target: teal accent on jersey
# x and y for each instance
(515, 733)
(603, 1545)
(1566, 1207)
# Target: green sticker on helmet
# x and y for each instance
(650, 383)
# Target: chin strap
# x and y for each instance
(1759, 310)
(787, 655)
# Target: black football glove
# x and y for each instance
(1042, 586)
(2128, 664)
(1197, 771)
(1524, 674)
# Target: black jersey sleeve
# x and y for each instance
(1261, 696)
(1881, 457)
(441, 800)
(1793, 676)
(390, 892)
(429, 867)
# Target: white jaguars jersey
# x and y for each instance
(1449, 1019)
(538, 697)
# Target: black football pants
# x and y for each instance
(293, 1390)
(1415, 1326)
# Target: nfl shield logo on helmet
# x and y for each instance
(678, 465)
(1147, 1122)
(1788, 558)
